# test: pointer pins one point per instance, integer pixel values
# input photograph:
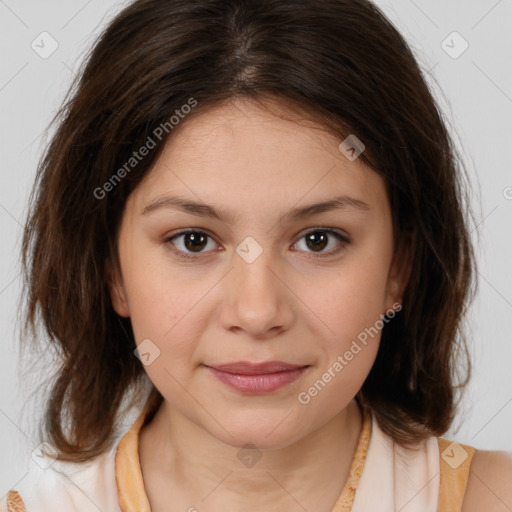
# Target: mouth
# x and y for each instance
(257, 378)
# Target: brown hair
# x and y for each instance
(340, 63)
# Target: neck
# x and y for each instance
(309, 473)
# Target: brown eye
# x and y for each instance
(194, 241)
(189, 243)
(318, 240)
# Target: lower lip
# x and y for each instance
(264, 383)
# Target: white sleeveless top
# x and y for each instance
(392, 479)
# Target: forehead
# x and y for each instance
(242, 156)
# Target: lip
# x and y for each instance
(257, 378)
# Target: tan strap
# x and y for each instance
(454, 464)
(14, 502)
(346, 498)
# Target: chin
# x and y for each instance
(272, 432)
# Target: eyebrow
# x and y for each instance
(204, 210)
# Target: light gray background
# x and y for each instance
(475, 91)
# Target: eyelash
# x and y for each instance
(343, 239)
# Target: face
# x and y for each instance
(257, 282)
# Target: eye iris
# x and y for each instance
(317, 240)
(198, 241)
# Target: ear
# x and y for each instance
(401, 267)
(117, 291)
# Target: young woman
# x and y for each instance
(253, 212)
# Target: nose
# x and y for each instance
(256, 297)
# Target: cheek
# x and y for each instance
(170, 321)
(349, 299)
(347, 352)
(165, 309)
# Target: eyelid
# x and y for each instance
(337, 231)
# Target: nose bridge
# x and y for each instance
(253, 266)
(257, 298)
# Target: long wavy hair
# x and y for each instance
(340, 63)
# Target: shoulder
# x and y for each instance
(489, 484)
(88, 486)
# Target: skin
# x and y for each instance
(488, 486)
(293, 303)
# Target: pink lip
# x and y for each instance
(257, 377)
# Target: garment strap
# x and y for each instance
(454, 466)
(346, 498)
(14, 502)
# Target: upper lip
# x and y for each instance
(250, 368)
